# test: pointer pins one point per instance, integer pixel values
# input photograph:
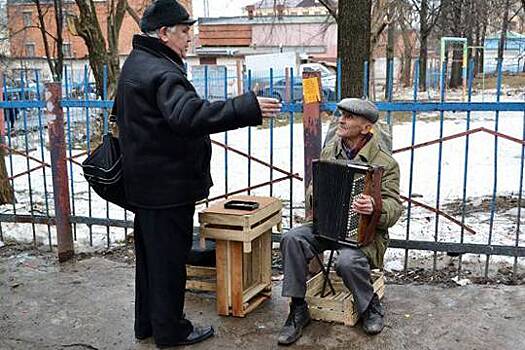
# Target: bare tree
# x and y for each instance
(53, 42)
(101, 53)
(428, 11)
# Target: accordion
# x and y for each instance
(336, 183)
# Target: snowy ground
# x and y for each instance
(480, 184)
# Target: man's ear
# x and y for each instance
(367, 128)
(163, 34)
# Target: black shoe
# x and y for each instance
(143, 336)
(298, 318)
(197, 335)
(373, 317)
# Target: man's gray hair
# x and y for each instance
(155, 33)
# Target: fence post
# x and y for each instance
(312, 97)
(55, 120)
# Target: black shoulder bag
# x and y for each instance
(103, 170)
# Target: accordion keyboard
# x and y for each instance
(353, 217)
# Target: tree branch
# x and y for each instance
(135, 15)
(331, 10)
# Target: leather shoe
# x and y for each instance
(298, 318)
(373, 317)
(197, 335)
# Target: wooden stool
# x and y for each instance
(339, 307)
(243, 252)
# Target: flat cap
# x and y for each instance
(360, 107)
(164, 13)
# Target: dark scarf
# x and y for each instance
(352, 152)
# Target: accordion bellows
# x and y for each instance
(336, 183)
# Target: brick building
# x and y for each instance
(26, 39)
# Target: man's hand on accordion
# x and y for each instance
(363, 204)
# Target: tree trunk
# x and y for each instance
(477, 35)
(456, 78)
(353, 44)
(504, 29)
(59, 21)
(406, 66)
(389, 47)
(7, 195)
(424, 32)
(482, 43)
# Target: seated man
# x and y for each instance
(353, 141)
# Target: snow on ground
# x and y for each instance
(480, 181)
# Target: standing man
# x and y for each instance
(353, 141)
(164, 129)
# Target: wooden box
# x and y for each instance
(339, 307)
(243, 252)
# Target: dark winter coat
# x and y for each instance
(164, 127)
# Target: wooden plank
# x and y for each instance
(225, 42)
(235, 235)
(263, 212)
(202, 286)
(223, 27)
(236, 278)
(326, 315)
(216, 214)
(258, 300)
(222, 234)
(218, 208)
(226, 34)
(221, 259)
(255, 262)
(226, 219)
(266, 257)
(325, 303)
(267, 225)
(246, 272)
(253, 291)
(200, 271)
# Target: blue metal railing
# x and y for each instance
(82, 118)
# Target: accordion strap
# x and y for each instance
(375, 192)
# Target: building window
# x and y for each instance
(30, 50)
(28, 18)
(66, 49)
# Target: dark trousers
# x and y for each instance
(300, 245)
(163, 240)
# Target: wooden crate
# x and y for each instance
(239, 225)
(243, 253)
(339, 307)
(201, 278)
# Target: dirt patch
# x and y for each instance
(483, 205)
(450, 277)
(447, 276)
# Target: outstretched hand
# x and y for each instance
(270, 107)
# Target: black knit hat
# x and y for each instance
(164, 13)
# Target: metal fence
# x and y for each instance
(449, 209)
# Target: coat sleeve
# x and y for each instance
(189, 115)
(392, 208)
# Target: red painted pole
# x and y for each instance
(312, 96)
(55, 120)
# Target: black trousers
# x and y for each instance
(163, 240)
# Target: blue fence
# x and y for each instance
(444, 184)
